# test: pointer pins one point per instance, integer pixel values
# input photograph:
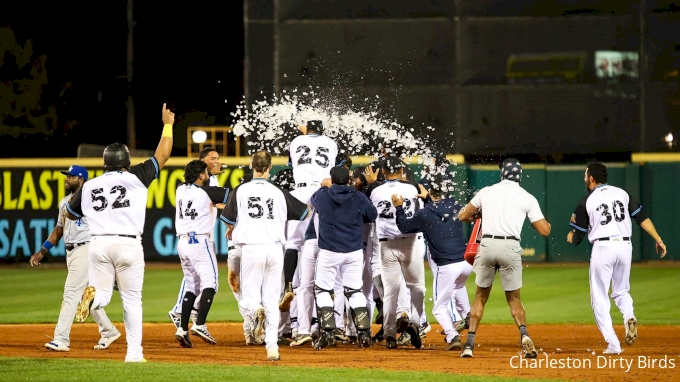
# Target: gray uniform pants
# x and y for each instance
(76, 281)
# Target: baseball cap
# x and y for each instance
(439, 183)
(76, 170)
(392, 164)
(340, 175)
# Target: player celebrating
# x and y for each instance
(211, 158)
(255, 215)
(610, 231)
(312, 156)
(77, 241)
(115, 206)
(342, 211)
(194, 222)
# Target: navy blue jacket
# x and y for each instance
(438, 221)
(342, 212)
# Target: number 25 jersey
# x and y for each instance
(115, 202)
(312, 157)
(605, 212)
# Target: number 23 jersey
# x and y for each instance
(605, 212)
(381, 197)
(312, 157)
(115, 202)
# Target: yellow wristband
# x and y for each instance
(167, 131)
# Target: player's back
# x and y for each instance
(115, 204)
(608, 214)
(381, 197)
(262, 213)
(312, 157)
(194, 211)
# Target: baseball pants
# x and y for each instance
(610, 263)
(295, 230)
(459, 306)
(199, 264)
(350, 268)
(305, 295)
(261, 270)
(122, 259)
(76, 281)
(234, 265)
(402, 256)
(177, 309)
(448, 279)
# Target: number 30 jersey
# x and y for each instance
(259, 211)
(195, 208)
(381, 197)
(312, 157)
(115, 202)
(606, 212)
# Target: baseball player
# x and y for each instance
(342, 212)
(255, 216)
(505, 206)
(444, 235)
(195, 222)
(211, 158)
(401, 255)
(605, 215)
(76, 239)
(115, 206)
(312, 156)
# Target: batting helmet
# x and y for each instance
(284, 179)
(116, 155)
(315, 125)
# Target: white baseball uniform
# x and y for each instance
(76, 239)
(401, 255)
(605, 214)
(115, 206)
(259, 211)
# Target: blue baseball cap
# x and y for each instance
(76, 170)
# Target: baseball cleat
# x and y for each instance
(463, 324)
(175, 318)
(201, 331)
(631, 331)
(83, 311)
(364, 339)
(424, 329)
(413, 331)
(467, 352)
(294, 333)
(402, 322)
(287, 298)
(455, 344)
(105, 342)
(391, 343)
(404, 339)
(351, 340)
(273, 354)
(327, 339)
(193, 316)
(339, 335)
(250, 340)
(283, 341)
(528, 347)
(183, 338)
(301, 340)
(140, 360)
(258, 332)
(56, 346)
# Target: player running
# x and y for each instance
(195, 222)
(605, 214)
(115, 206)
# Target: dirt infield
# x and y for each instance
(566, 345)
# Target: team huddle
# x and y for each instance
(316, 251)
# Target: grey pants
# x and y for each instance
(76, 281)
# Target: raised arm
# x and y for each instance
(164, 148)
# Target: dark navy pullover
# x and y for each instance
(438, 221)
(342, 213)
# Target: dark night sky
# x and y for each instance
(180, 55)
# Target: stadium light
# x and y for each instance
(669, 138)
(199, 136)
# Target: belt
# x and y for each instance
(195, 234)
(131, 236)
(499, 237)
(612, 239)
(313, 184)
(71, 246)
(417, 237)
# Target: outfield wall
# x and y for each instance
(30, 190)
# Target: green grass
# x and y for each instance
(551, 294)
(28, 369)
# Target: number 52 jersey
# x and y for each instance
(606, 212)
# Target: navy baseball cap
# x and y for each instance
(340, 175)
(76, 170)
(393, 164)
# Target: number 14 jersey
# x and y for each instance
(605, 212)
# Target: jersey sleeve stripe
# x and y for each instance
(636, 211)
(304, 215)
(155, 164)
(79, 216)
(227, 220)
(226, 195)
(578, 228)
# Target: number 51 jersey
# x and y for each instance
(115, 202)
